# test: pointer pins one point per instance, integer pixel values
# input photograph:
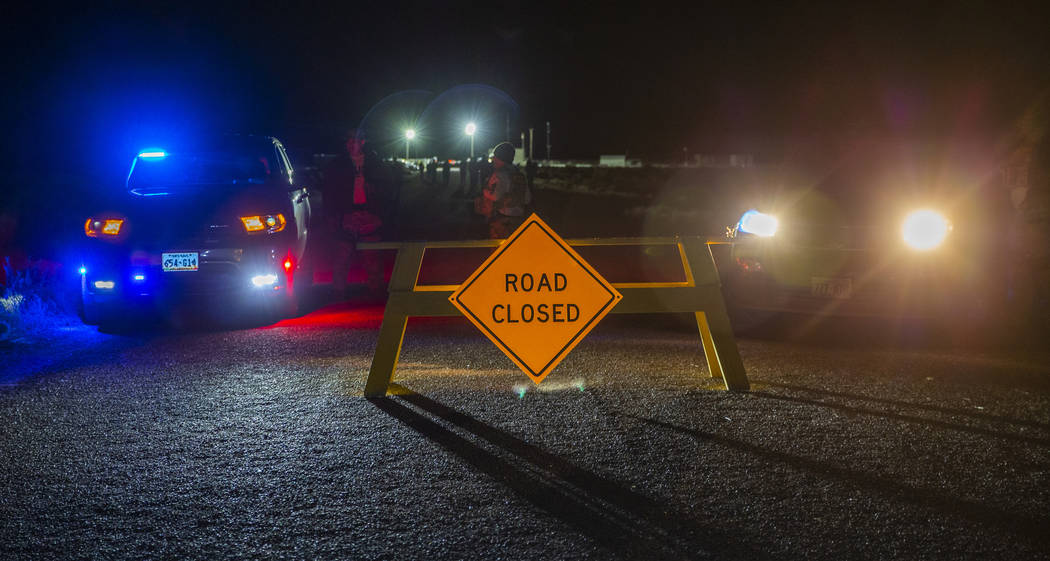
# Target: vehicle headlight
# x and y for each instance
(758, 223)
(925, 229)
(95, 227)
(269, 223)
(264, 280)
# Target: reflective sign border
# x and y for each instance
(530, 222)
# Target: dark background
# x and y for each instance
(87, 87)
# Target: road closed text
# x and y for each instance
(542, 312)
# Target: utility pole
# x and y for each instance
(531, 154)
(548, 141)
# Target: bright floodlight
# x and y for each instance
(410, 134)
(471, 129)
(925, 229)
(759, 224)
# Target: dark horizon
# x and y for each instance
(720, 80)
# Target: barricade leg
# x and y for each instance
(395, 318)
(388, 348)
(719, 343)
(709, 345)
(726, 355)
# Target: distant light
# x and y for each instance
(925, 229)
(105, 285)
(264, 280)
(288, 264)
(82, 270)
(139, 278)
(410, 134)
(153, 154)
(471, 129)
(759, 224)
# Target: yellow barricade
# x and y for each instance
(700, 293)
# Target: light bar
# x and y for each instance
(153, 154)
(105, 285)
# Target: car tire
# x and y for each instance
(304, 292)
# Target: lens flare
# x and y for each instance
(925, 229)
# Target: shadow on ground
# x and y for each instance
(624, 521)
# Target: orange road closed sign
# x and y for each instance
(535, 298)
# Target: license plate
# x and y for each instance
(831, 287)
(185, 261)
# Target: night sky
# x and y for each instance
(715, 79)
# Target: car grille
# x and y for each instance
(211, 278)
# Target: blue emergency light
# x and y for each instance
(153, 154)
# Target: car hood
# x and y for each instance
(194, 217)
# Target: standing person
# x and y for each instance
(446, 170)
(464, 169)
(485, 169)
(506, 194)
(1033, 218)
(473, 166)
(432, 170)
(354, 202)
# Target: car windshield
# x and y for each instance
(198, 169)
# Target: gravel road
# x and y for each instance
(257, 443)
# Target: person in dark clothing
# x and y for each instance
(432, 167)
(464, 169)
(473, 164)
(506, 197)
(357, 190)
(485, 170)
(446, 171)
